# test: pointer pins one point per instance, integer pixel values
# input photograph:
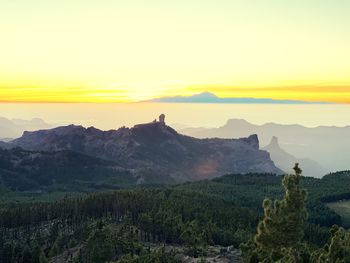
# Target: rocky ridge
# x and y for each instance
(155, 148)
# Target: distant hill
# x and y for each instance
(14, 128)
(327, 145)
(156, 149)
(285, 161)
(207, 97)
(6, 139)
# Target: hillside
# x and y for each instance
(35, 171)
(4, 145)
(177, 223)
(155, 148)
(327, 145)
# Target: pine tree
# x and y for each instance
(337, 249)
(43, 258)
(281, 230)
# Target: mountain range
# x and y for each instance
(151, 152)
(207, 97)
(14, 128)
(327, 145)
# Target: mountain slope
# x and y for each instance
(285, 161)
(155, 148)
(328, 145)
(25, 170)
(4, 145)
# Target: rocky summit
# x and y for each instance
(155, 149)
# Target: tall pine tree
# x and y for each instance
(280, 232)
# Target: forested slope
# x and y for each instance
(224, 211)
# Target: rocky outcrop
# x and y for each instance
(286, 161)
(327, 145)
(156, 148)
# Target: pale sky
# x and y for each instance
(111, 50)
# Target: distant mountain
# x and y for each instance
(6, 139)
(28, 170)
(14, 128)
(155, 148)
(207, 97)
(286, 161)
(328, 145)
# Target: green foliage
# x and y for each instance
(43, 258)
(108, 241)
(54, 250)
(280, 232)
(337, 249)
(118, 226)
(161, 215)
(194, 238)
(249, 190)
(108, 225)
(157, 256)
(283, 223)
(21, 252)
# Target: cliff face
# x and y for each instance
(156, 148)
(327, 145)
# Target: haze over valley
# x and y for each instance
(174, 131)
(321, 149)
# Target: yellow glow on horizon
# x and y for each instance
(142, 92)
(313, 93)
(135, 50)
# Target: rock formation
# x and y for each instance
(156, 148)
(285, 161)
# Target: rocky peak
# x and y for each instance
(274, 142)
(156, 146)
(253, 141)
(162, 118)
(237, 123)
(154, 128)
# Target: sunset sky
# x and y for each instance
(132, 50)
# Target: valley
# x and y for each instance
(342, 208)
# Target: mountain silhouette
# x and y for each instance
(156, 148)
(285, 161)
(327, 145)
(207, 97)
(15, 127)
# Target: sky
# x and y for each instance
(134, 50)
